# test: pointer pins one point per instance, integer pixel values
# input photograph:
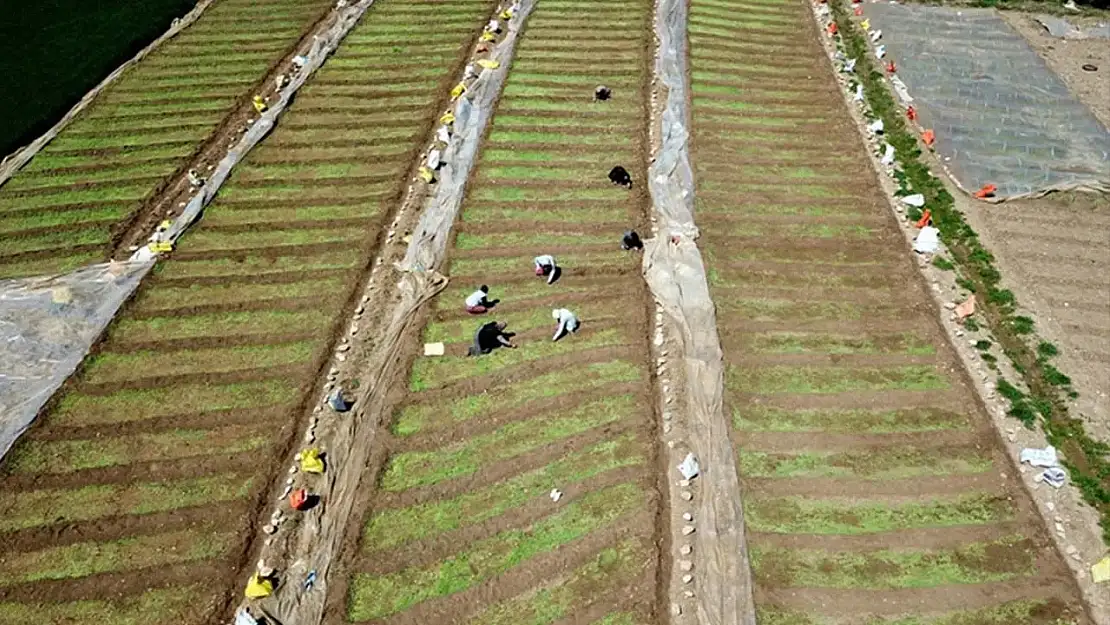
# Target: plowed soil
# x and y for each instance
(70, 204)
(867, 464)
(458, 526)
(134, 497)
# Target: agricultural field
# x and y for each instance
(874, 487)
(61, 210)
(460, 527)
(131, 500)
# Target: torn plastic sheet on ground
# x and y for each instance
(47, 325)
(675, 273)
(42, 342)
(320, 533)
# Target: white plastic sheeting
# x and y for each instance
(47, 325)
(675, 274)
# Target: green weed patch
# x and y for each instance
(399, 526)
(413, 469)
(973, 564)
(219, 324)
(611, 567)
(137, 404)
(428, 373)
(378, 596)
(891, 463)
(426, 416)
(43, 507)
(152, 607)
(109, 367)
(796, 515)
(811, 343)
(765, 419)
(787, 379)
(67, 456)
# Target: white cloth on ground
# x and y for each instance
(927, 240)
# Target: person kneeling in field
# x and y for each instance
(568, 322)
(545, 266)
(489, 337)
(476, 302)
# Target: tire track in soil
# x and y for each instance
(735, 195)
(612, 293)
(276, 404)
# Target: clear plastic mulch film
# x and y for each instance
(48, 324)
(1001, 116)
(675, 273)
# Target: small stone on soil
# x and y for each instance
(687, 578)
(686, 516)
(686, 495)
(676, 609)
(269, 529)
(686, 565)
(292, 469)
(685, 550)
(684, 483)
(687, 530)
(689, 594)
(666, 428)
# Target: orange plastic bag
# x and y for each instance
(929, 137)
(298, 499)
(924, 221)
(832, 28)
(911, 113)
(987, 190)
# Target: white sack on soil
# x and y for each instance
(927, 241)
(1040, 457)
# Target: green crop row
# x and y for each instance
(1088, 459)
(194, 79)
(279, 285)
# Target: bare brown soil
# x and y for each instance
(1067, 57)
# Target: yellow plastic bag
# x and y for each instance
(866, 24)
(165, 225)
(489, 64)
(258, 587)
(426, 175)
(487, 36)
(448, 118)
(506, 14)
(311, 462)
(458, 91)
(161, 247)
(1100, 572)
(259, 105)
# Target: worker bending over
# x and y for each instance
(568, 322)
(545, 266)
(477, 303)
(489, 337)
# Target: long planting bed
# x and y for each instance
(133, 499)
(61, 210)
(875, 489)
(460, 526)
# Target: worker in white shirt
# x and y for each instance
(568, 322)
(545, 266)
(476, 302)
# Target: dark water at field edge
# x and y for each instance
(52, 52)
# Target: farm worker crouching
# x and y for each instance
(489, 337)
(568, 322)
(545, 266)
(476, 302)
(631, 241)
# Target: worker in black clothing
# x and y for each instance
(489, 337)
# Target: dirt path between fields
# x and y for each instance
(675, 273)
(375, 365)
